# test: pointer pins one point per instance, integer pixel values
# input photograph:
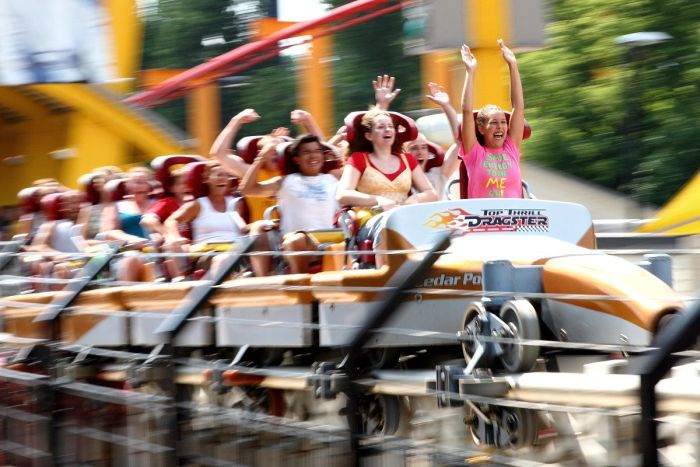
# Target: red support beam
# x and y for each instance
(250, 54)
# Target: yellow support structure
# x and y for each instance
(127, 41)
(680, 215)
(487, 21)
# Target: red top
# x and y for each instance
(164, 208)
(357, 160)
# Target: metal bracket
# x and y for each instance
(327, 381)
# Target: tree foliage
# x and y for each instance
(365, 51)
(622, 116)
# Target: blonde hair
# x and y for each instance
(482, 116)
(369, 116)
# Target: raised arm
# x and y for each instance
(440, 97)
(250, 186)
(451, 162)
(384, 92)
(468, 125)
(220, 149)
(517, 117)
(304, 118)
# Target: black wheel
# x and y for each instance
(255, 399)
(518, 428)
(475, 321)
(380, 414)
(476, 425)
(522, 321)
(514, 428)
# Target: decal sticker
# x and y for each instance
(490, 220)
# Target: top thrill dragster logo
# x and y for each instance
(490, 220)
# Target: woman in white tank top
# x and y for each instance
(213, 217)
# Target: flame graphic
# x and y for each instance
(444, 218)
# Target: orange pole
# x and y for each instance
(204, 115)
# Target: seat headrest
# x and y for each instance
(92, 195)
(50, 206)
(195, 179)
(437, 156)
(247, 147)
(164, 166)
(116, 189)
(29, 199)
(287, 166)
(406, 129)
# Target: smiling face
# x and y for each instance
(382, 132)
(218, 181)
(137, 184)
(418, 148)
(310, 158)
(494, 128)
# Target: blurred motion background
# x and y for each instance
(620, 113)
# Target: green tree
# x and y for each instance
(365, 51)
(618, 116)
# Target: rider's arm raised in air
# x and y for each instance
(304, 118)
(220, 149)
(441, 98)
(517, 117)
(468, 125)
(250, 186)
(384, 92)
(451, 162)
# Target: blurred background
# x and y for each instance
(611, 86)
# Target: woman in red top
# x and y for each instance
(379, 174)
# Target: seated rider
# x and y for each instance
(305, 196)
(235, 165)
(379, 174)
(213, 217)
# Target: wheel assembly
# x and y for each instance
(476, 323)
(502, 427)
(521, 321)
(380, 414)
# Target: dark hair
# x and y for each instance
(289, 166)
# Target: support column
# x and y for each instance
(315, 88)
(204, 116)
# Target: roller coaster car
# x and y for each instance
(503, 250)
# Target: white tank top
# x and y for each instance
(212, 226)
(307, 203)
(62, 236)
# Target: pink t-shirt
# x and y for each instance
(493, 173)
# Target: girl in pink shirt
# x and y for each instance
(493, 164)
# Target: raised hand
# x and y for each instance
(340, 135)
(438, 95)
(508, 54)
(468, 58)
(281, 131)
(247, 116)
(299, 117)
(384, 92)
